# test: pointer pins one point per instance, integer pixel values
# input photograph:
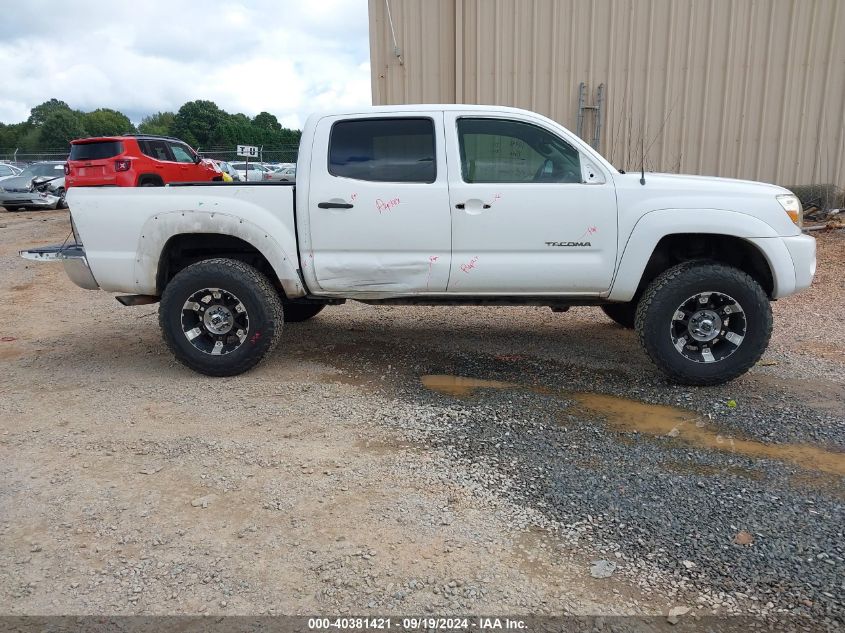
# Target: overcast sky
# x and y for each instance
(286, 57)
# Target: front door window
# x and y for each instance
(502, 151)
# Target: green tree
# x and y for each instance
(159, 124)
(59, 129)
(231, 132)
(200, 123)
(196, 121)
(267, 121)
(106, 122)
(40, 113)
(11, 135)
(30, 138)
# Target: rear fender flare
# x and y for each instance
(149, 176)
(160, 228)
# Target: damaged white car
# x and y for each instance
(38, 186)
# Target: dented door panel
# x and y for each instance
(368, 238)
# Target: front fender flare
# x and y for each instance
(655, 225)
(160, 228)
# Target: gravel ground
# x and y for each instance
(412, 460)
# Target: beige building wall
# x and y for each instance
(740, 88)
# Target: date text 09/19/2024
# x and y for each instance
(416, 623)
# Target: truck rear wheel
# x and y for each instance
(623, 313)
(220, 317)
(704, 323)
(295, 312)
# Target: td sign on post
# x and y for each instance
(248, 151)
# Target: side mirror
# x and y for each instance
(197, 159)
(590, 174)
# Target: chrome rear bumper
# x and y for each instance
(72, 257)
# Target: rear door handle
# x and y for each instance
(334, 205)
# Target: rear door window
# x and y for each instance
(383, 150)
(155, 149)
(95, 151)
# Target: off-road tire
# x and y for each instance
(296, 312)
(258, 296)
(664, 295)
(625, 314)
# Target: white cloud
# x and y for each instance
(141, 58)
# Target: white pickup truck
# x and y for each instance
(448, 204)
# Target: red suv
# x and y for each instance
(135, 161)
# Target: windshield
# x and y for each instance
(43, 169)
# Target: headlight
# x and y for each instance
(792, 205)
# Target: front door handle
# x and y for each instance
(462, 205)
(334, 205)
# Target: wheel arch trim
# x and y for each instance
(159, 229)
(149, 176)
(656, 225)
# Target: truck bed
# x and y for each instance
(124, 255)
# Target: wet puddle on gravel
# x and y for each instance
(657, 420)
(460, 387)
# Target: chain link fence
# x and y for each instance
(20, 158)
(270, 154)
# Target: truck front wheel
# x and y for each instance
(220, 317)
(704, 323)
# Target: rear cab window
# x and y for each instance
(384, 150)
(95, 151)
